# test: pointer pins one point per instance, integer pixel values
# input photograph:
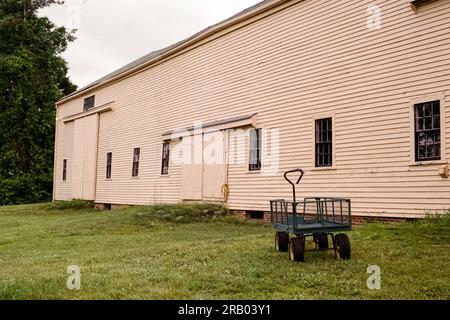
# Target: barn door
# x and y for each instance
(84, 164)
(204, 176)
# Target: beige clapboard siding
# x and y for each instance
(275, 95)
(433, 42)
(64, 149)
(314, 57)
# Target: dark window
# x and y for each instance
(324, 142)
(109, 165)
(428, 131)
(255, 149)
(65, 170)
(136, 156)
(89, 103)
(416, 4)
(165, 158)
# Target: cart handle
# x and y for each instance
(293, 184)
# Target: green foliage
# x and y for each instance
(70, 205)
(437, 219)
(25, 188)
(183, 213)
(33, 76)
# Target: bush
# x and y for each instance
(26, 189)
(437, 219)
(70, 205)
(184, 213)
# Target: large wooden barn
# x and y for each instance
(356, 93)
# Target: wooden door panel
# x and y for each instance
(90, 157)
(78, 159)
(192, 177)
(214, 166)
(191, 187)
(84, 164)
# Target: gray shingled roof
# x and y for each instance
(155, 54)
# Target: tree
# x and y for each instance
(33, 76)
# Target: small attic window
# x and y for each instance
(417, 4)
(89, 103)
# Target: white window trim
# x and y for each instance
(106, 165)
(412, 135)
(331, 115)
(248, 150)
(67, 171)
(170, 158)
(139, 166)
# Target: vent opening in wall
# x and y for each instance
(417, 4)
(255, 215)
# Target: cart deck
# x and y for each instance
(302, 229)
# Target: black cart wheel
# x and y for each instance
(281, 241)
(322, 240)
(342, 246)
(297, 249)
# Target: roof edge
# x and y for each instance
(184, 44)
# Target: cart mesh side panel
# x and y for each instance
(327, 213)
(282, 212)
(332, 210)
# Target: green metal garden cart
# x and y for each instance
(316, 217)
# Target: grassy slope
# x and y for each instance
(129, 254)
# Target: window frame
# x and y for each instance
(320, 130)
(322, 116)
(135, 167)
(412, 108)
(419, 131)
(87, 99)
(416, 5)
(164, 160)
(109, 165)
(64, 171)
(257, 168)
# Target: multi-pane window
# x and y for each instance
(109, 165)
(89, 103)
(324, 142)
(428, 131)
(136, 156)
(165, 158)
(255, 150)
(64, 169)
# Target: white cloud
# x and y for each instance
(112, 33)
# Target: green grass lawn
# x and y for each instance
(159, 253)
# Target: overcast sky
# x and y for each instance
(112, 33)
